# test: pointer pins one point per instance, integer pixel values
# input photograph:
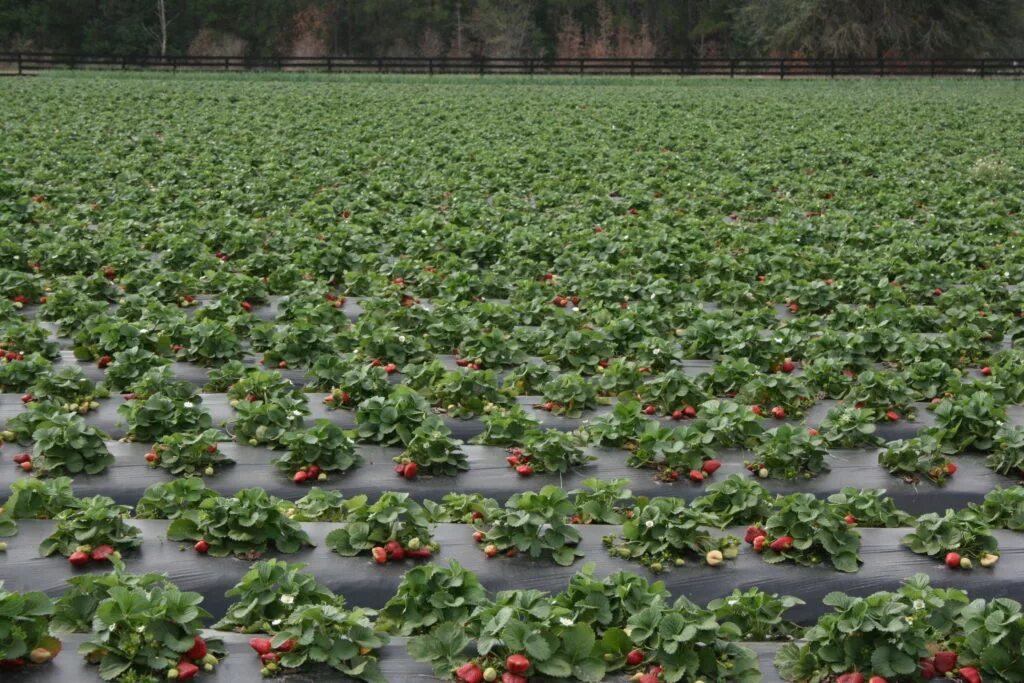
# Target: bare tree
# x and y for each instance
(505, 27)
(160, 34)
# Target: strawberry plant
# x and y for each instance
(666, 531)
(528, 379)
(466, 394)
(25, 629)
(608, 602)
(921, 456)
(210, 342)
(19, 373)
(221, 378)
(569, 395)
(846, 426)
(189, 453)
(602, 502)
(726, 424)
(777, 390)
(970, 421)
(548, 450)
(93, 530)
(268, 593)
(958, 538)
(318, 450)
(757, 615)
(620, 376)
(128, 366)
(577, 349)
(391, 419)
(735, 501)
(993, 639)
(431, 450)
(392, 528)
(534, 523)
(267, 422)
(350, 380)
(330, 636)
(620, 427)
(868, 508)
(491, 349)
(506, 426)
(245, 525)
(789, 452)
(891, 635)
(464, 508)
(128, 646)
(1001, 509)
(1007, 456)
(296, 344)
(169, 500)
(160, 415)
(262, 385)
(35, 499)
(673, 452)
(829, 375)
(65, 444)
(75, 609)
(809, 532)
(886, 394)
(431, 594)
(672, 391)
(69, 388)
(319, 505)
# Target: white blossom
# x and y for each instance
(287, 599)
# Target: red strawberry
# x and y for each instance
(754, 532)
(390, 368)
(261, 645)
(78, 558)
(517, 664)
(788, 366)
(512, 552)
(246, 306)
(812, 432)
(927, 669)
(300, 476)
(711, 466)
(937, 291)
(783, 543)
(101, 553)
(476, 514)
(951, 468)
(201, 547)
(759, 543)
(970, 674)
(689, 411)
(410, 470)
(380, 556)
(186, 670)
(524, 470)
(398, 554)
(27, 466)
(509, 677)
(892, 416)
(478, 536)
(512, 460)
(953, 562)
(314, 471)
(268, 657)
(677, 415)
(419, 554)
(282, 364)
(650, 410)
(945, 661)
(696, 475)
(22, 458)
(286, 646)
(756, 410)
(986, 371)
(198, 650)
(103, 362)
(778, 412)
(27, 398)
(877, 679)
(490, 550)
(634, 657)
(851, 678)
(469, 673)
(850, 519)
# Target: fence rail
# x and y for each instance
(29, 62)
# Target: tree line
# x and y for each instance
(520, 28)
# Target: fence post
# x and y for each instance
(632, 68)
(832, 68)
(330, 64)
(482, 66)
(932, 63)
(983, 68)
(881, 67)
(19, 64)
(581, 67)
(529, 64)
(782, 68)
(732, 68)
(225, 63)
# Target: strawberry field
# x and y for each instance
(395, 379)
